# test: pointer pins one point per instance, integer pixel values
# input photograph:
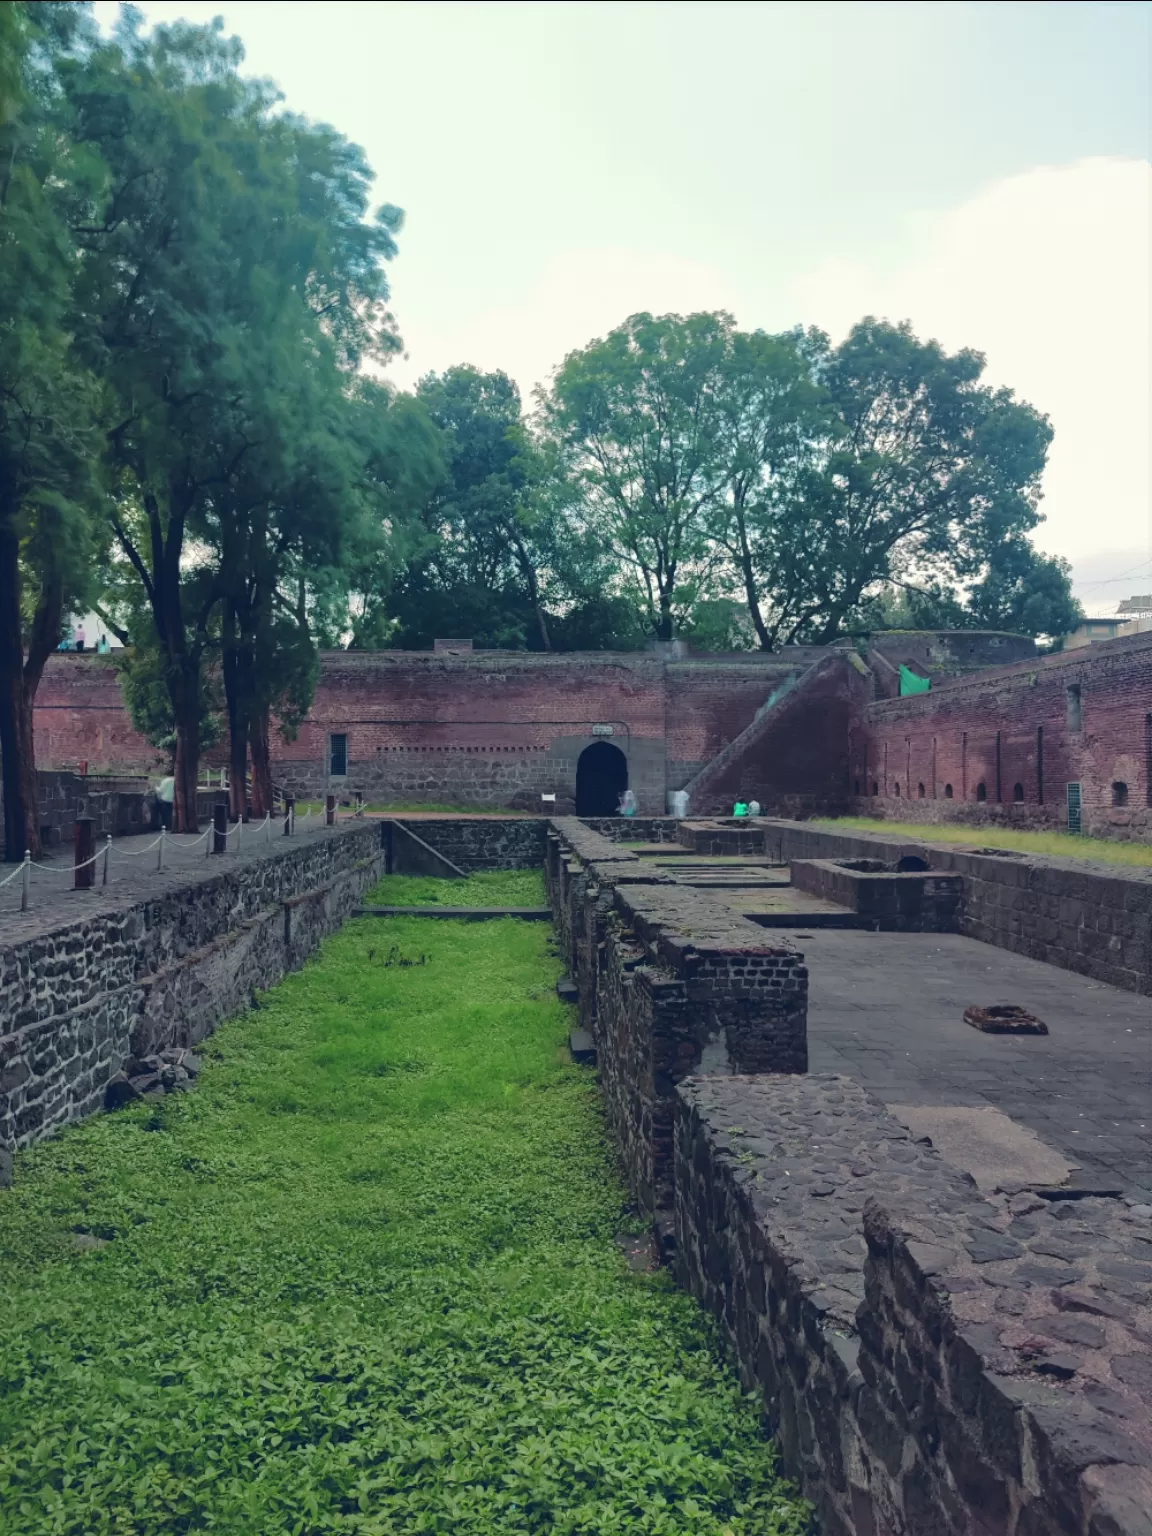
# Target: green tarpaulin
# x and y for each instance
(910, 683)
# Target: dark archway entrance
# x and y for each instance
(601, 778)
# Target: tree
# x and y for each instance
(227, 248)
(479, 563)
(48, 491)
(635, 422)
(918, 474)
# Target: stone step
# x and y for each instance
(583, 1047)
(567, 991)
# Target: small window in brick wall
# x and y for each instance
(338, 756)
(981, 792)
(947, 791)
(897, 788)
(1018, 793)
(855, 786)
(1119, 793)
(1074, 711)
(920, 790)
(875, 787)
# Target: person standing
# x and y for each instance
(165, 796)
(78, 637)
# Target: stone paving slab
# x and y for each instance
(887, 1010)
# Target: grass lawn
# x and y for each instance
(499, 888)
(363, 1280)
(1059, 844)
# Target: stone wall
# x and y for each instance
(793, 756)
(1001, 746)
(79, 998)
(1095, 919)
(932, 1362)
(670, 983)
(485, 842)
(893, 900)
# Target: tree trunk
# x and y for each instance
(237, 693)
(17, 751)
(186, 709)
(261, 765)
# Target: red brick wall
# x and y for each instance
(80, 717)
(1011, 726)
(484, 728)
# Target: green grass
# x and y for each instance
(500, 888)
(1059, 844)
(363, 1280)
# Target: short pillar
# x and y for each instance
(220, 827)
(84, 843)
(330, 811)
(289, 809)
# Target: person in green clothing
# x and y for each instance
(740, 808)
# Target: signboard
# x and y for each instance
(601, 730)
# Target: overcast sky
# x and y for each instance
(979, 169)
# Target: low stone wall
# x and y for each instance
(932, 1363)
(634, 829)
(78, 999)
(722, 837)
(1095, 919)
(484, 842)
(895, 901)
(670, 983)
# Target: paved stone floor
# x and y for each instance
(887, 1009)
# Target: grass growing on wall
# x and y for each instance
(498, 888)
(1059, 845)
(363, 1280)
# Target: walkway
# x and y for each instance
(887, 1009)
(133, 873)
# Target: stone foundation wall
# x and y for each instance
(895, 901)
(78, 999)
(1095, 919)
(932, 1362)
(487, 842)
(670, 983)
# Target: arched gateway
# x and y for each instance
(601, 778)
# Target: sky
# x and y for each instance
(982, 170)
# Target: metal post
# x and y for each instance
(160, 849)
(220, 827)
(268, 826)
(84, 872)
(107, 855)
(25, 880)
(330, 810)
(288, 809)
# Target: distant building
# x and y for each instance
(1090, 630)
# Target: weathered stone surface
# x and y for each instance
(671, 982)
(134, 981)
(981, 1403)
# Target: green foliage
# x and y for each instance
(363, 1280)
(636, 429)
(497, 888)
(1059, 844)
(802, 479)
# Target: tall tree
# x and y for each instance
(481, 566)
(635, 421)
(918, 473)
(48, 492)
(227, 245)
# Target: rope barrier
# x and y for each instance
(19, 870)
